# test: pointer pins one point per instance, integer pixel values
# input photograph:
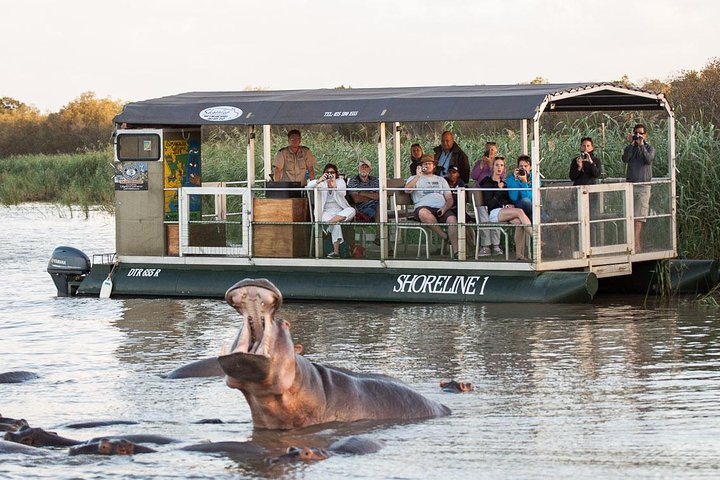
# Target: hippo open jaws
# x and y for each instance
(285, 390)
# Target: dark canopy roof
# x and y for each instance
(371, 105)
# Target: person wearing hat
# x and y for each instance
(364, 192)
(433, 200)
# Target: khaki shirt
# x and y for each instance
(294, 165)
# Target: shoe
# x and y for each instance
(496, 250)
(484, 252)
(333, 255)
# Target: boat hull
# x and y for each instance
(348, 283)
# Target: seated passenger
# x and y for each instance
(521, 178)
(501, 209)
(585, 169)
(433, 200)
(489, 239)
(365, 201)
(454, 181)
(335, 208)
(416, 154)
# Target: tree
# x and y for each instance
(84, 123)
(696, 95)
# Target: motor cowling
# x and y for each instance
(68, 267)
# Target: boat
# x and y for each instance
(177, 236)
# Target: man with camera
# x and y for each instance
(639, 156)
(433, 200)
(519, 185)
(585, 169)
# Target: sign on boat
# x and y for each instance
(179, 236)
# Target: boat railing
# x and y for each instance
(577, 226)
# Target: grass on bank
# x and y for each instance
(86, 179)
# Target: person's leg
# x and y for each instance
(451, 221)
(428, 217)
(526, 204)
(638, 232)
(487, 237)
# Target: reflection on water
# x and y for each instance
(609, 390)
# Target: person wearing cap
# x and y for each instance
(294, 163)
(449, 153)
(433, 200)
(364, 191)
(454, 181)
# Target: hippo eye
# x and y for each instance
(27, 440)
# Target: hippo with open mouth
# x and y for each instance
(285, 390)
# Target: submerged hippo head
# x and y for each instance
(301, 454)
(262, 356)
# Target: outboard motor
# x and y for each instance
(68, 267)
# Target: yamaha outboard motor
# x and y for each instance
(68, 267)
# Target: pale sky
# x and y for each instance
(51, 51)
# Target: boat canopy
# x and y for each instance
(372, 105)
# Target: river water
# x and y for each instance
(616, 389)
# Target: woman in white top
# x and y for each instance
(334, 206)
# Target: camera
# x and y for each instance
(329, 175)
(636, 137)
(583, 155)
(424, 169)
(521, 172)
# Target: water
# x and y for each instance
(610, 390)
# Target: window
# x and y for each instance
(134, 146)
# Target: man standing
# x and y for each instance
(433, 200)
(449, 153)
(294, 163)
(639, 156)
(364, 190)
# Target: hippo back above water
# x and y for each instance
(285, 390)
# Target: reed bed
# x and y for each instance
(86, 178)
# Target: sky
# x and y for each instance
(51, 51)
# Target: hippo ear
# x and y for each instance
(298, 348)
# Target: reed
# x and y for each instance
(86, 178)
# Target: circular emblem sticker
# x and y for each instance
(221, 113)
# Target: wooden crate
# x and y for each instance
(281, 240)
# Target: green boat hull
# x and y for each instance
(349, 284)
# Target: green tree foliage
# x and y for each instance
(20, 126)
(85, 123)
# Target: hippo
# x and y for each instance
(350, 445)
(12, 424)
(37, 437)
(13, 447)
(285, 390)
(205, 367)
(17, 376)
(108, 446)
(451, 386)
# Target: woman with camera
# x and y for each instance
(495, 196)
(519, 184)
(585, 169)
(335, 207)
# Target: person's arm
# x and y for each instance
(412, 181)
(464, 166)
(279, 163)
(310, 164)
(627, 153)
(512, 182)
(574, 170)
(647, 153)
